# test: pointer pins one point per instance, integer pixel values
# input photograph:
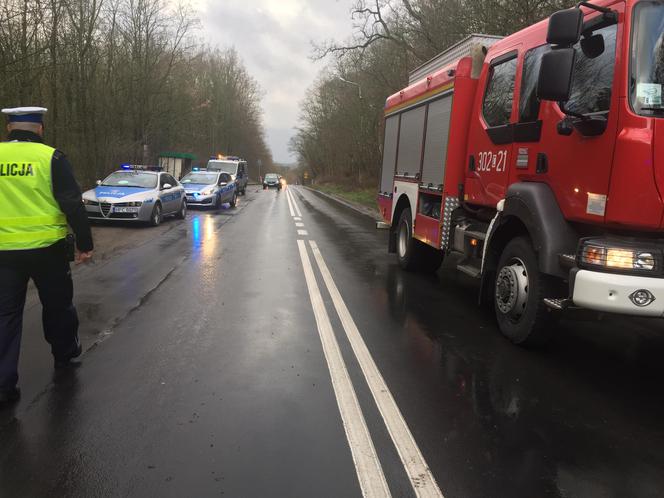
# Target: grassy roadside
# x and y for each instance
(363, 196)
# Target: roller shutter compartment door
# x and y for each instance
(410, 141)
(389, 154)
(435, 148)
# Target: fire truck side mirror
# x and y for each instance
(565, 27)
(555, 77)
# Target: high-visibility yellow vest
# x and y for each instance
(30, 217)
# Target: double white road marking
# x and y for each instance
(369, 472)
(292, 205)
(368, 468)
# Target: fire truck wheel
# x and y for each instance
(405, 242)
(519, 293)
(412, 254)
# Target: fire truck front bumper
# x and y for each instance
(625, 294)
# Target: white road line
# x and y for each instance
(297, 209)
(302, 232)
(368, 468)
(297, 218)
(421, 478)
(299, 225)
(290, 205)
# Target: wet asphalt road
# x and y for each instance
(205, 375)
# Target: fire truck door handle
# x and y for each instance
(471, 163)
(542, 164)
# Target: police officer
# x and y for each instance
(38, 198)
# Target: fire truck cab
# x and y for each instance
(535, 162)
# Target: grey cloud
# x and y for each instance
(276, 49)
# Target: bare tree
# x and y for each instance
(125, 77)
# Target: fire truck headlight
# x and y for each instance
(593, 255)
(618, 258)
(644, 261)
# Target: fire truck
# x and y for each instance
(535, 164)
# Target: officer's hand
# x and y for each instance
(82, 257)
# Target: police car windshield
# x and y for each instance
(270, 176)
(136, 179)
(225, 166)
(200, 178)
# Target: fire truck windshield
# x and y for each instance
(647, 77)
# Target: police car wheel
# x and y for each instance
(233, 202)
(155, 218)
(217, 202)
(182, 213)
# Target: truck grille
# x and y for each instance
(105, 208)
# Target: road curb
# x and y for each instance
(371, 213)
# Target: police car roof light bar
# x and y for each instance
(141, 167)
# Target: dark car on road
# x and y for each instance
(271, 180)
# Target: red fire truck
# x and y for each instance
(537, 163)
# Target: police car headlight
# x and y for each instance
(595, 253)
(207, 191)
(87, 202)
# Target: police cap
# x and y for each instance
(25, 114)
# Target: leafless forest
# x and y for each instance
(125, 80)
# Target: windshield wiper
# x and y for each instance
(652, 109)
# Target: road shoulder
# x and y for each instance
(371, 213)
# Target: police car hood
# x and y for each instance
(195, 187)
(115, 193)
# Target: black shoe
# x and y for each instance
(9, 396)
(68, 362)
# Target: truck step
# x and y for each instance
(558, 304)
(470, 270)
(567, 261)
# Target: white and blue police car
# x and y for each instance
(136, 193)
(210, 188)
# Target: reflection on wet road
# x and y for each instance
(209, 376)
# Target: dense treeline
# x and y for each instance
(125, 80)
(340, 134)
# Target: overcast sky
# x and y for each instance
(274, 37)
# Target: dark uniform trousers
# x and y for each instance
(50, 271)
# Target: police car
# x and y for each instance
(235, 167)
(136, 193)
(210, 188)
